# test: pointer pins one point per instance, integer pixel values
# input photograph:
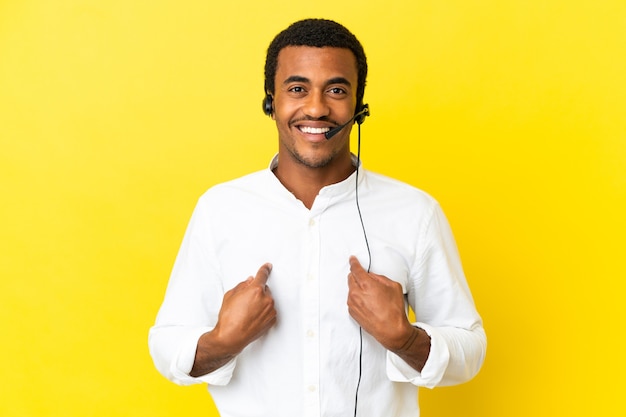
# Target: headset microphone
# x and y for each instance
(359, 117)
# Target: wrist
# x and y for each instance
(416, 348)
(225, 342)
(409, 340)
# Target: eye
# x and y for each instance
(296, 89)
(337, 90)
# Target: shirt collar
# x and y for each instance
(342, 187)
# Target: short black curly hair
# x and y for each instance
(317, 33)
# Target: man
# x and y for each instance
(311, 331)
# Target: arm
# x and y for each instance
(184, 340)
(247, 313)
(189, 346)
(377, 304)
(428, 355)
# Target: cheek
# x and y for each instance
(282, 116)
(279, 115)
(285, 107)
(282, 128)
(282, 122)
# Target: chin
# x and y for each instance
(313, 161)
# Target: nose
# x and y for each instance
(315, 105)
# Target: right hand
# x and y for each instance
(247, 311)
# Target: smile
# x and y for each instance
(313, 130)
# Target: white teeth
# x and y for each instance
(314, 130)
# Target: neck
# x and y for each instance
(306, 182)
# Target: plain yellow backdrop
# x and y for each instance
(116, 115)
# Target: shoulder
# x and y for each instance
(227, 201)
(246, 185)
(392, 189)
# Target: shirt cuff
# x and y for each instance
(182, 364)
(432, 372)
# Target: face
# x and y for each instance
(315, 91)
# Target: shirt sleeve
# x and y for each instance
(190, 308)
(173, 351)
(443, 305)
(448, 363)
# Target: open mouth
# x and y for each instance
(313, 130)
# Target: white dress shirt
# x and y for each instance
(308, 363)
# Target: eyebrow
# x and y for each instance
(296, 79)
(301, 79)
(339, 80)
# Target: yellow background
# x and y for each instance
(116, 115)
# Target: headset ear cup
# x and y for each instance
(268, 107)
(365, 108)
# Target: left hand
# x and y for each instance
(377, 304)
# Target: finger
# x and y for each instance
(355, 267)
(352, 280)
(263, 274)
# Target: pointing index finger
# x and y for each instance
(355, 265)
(263, 274)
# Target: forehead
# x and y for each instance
(312, 63)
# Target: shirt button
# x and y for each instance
(311, 222)
(310, 333)
(312, 388)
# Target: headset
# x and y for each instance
(268, 105)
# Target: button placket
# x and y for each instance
(310, 298)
